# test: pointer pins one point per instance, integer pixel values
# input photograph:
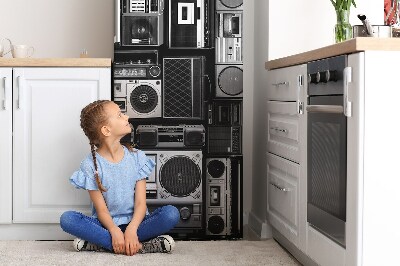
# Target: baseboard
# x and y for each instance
(260, 228)
(292, 249)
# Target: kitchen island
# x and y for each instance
(369, 97)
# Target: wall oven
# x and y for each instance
(327, 148)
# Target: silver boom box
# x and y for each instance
(177, 180)
(229, 37)
(182, 136)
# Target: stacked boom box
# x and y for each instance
(178, 74)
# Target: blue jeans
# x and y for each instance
(90, 229)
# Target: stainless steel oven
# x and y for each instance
(327, 148)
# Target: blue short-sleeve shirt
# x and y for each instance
(118, 178)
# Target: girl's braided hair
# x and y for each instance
(93, 117)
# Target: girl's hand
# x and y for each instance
(118, 241)
(132, 244)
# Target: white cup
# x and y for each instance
(2, 52)
(22, 51)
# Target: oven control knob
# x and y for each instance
(324, 76)
(314, 78)
(333, 76)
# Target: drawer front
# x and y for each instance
(283, 196)
(283, 130)
(284, 83)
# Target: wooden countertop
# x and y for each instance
(55, 62)
(348, 47)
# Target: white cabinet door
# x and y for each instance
(48, 141)
(5, 146)
(283, 196)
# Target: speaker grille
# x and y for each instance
(144, 99)
(182, 87)
(180, 176)
(216, 168)
(193, 138)
(216, 224)
(230, 80)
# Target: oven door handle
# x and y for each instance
(334, 109)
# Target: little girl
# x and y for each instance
(115, 177)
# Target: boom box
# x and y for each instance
(183, 94)
(177, 178)
(189, 24)
(224, 139)
(138, 98)
(229, 5)
(229, 81)
(223, 196)
(225, 113)
(229, 37)
(182, 136)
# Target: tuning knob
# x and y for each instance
(185, 213)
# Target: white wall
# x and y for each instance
(60, 28)
(301, 25)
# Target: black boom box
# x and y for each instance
(182, 136)
(189, 24)
(224, 139)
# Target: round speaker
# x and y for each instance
(216, 224)
(216, 168)
(144, 99)
(230, 80)
(180, 176)
(231, 3)
(141, 29)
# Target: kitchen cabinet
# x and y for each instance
(371, 109)
(42, 141)
(285, 124)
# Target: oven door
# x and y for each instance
(327, 166)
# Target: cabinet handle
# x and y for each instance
(279, 129)
(20, 88)
(279, 187)
(5, 93)
(284, 83)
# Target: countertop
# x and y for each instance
(55, 62)
(348, 47)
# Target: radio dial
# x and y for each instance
(154, 71)
(185, 213)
